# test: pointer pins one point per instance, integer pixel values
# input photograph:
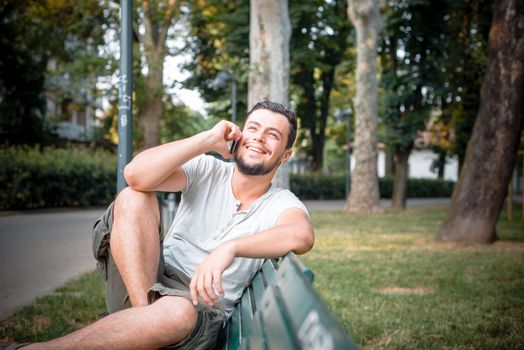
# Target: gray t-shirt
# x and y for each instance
(208, 216)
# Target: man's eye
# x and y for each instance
(274, 135)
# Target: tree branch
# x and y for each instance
(168, 18)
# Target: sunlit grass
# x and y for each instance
(392, 286)
(383, 276)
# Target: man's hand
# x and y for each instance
(223, 132)
(208, 275)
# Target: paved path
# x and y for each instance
(42, 250)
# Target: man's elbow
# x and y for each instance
(306, 240)
(132, 178)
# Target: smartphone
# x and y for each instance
(233, 147)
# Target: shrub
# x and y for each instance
(333, 187)
(52, 177)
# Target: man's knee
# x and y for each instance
(177, 312)
(130, 202)
(130, 198)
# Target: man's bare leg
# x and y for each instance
(135, 242)
(167, 321)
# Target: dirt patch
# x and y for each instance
(505, 245)
(516, 246)
(405, 291)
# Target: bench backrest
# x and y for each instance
(281, 310)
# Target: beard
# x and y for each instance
(257, 169)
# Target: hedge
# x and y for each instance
(333, 187)
(52, 177)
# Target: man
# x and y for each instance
(178, 293)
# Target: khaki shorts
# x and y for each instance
(209, 320)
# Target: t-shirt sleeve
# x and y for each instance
(197, 168)
(282, 201)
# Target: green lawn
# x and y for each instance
(386, 280)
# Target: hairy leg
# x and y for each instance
(167, 321)
(135, 242)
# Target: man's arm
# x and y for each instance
(293, 232)
(159, 168)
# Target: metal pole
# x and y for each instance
(233, 100)
(125, 89)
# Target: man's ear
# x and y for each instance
(287, 154)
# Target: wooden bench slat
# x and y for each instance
(310, 276)
(280, 310)
(233, 331)
(269, 268)
(276, 321)
(259, 286)
(259, 341)
(246, 313)
(313, 323)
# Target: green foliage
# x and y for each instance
(21, 77)
(219, 41)
(50, 177)
(333, 187)
(412, 55)
(179, 122)
(319, 44)
(465, 67)
(49, 46)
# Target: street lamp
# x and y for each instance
(125, 89)
(221, 81)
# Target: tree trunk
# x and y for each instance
(400, 184)
(270, 31)
(390, 164)
(154, 41)
(269, 35)
(491, 153)
(441, 165)
(364, 195)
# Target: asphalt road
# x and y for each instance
(40, 251)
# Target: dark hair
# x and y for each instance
(280, 109)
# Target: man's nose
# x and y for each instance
(259, 136)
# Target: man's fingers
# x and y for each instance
(201, 289)
(209, 287)
(193, 291)
(234, 133)
(217, 282)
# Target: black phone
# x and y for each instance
(233, 147)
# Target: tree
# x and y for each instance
(218, 41)
(490, 157)
(412, 56)
(156, 17)
(22, 68)
(364, 195)
(270, 31)
(464, 69)
(33, 34)
(320, 42)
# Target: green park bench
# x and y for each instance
(281, 310)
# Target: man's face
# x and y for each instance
(263, 145)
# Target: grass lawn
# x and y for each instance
(386, 280)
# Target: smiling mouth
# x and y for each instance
(257, 150)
